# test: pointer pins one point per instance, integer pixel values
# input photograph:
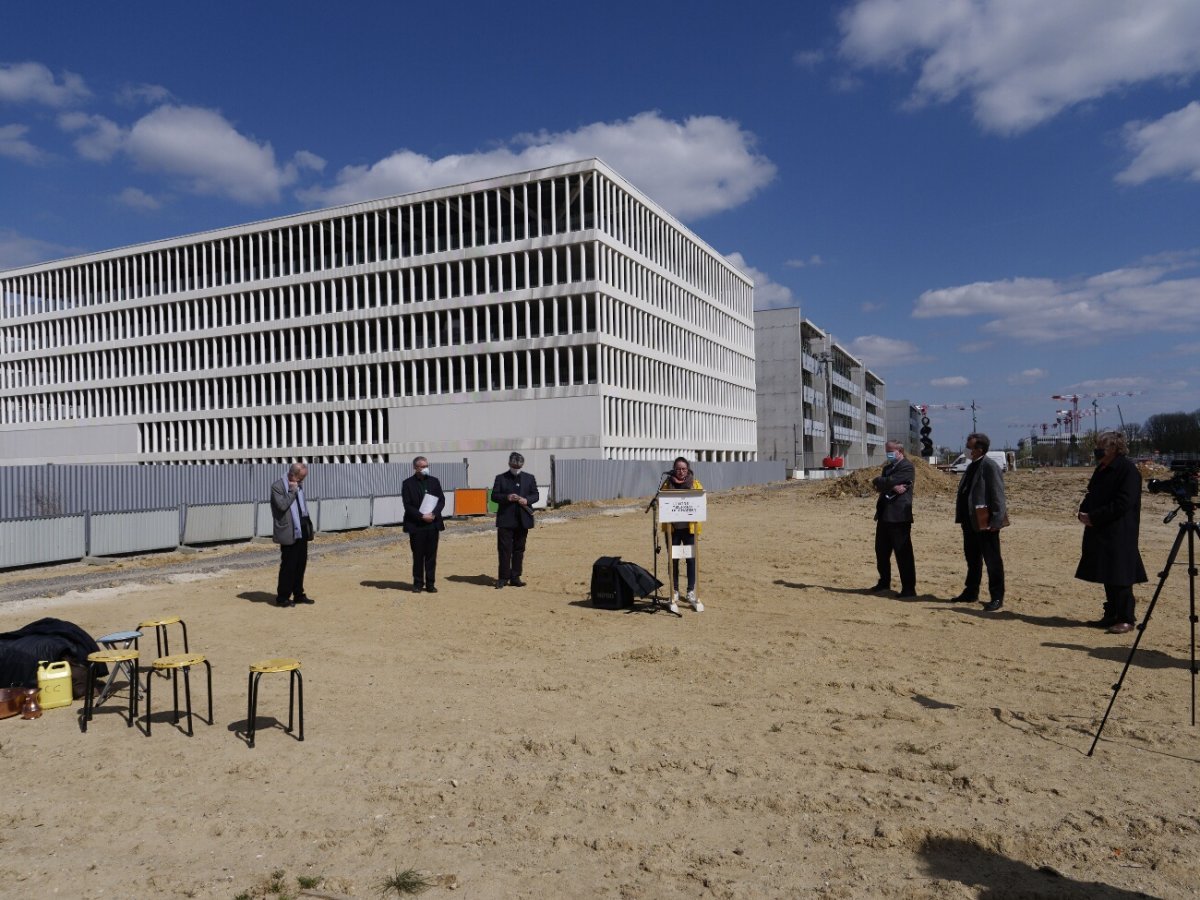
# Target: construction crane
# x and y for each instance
(924, 407)
(1075, 416)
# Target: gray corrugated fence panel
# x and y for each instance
(387, 511)
(219, 522)
(264, 521)
(344, 513)
(448, 509)
(604, 479)
(32, 541)
(133, 532)
(66, 490)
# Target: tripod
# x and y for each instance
(658, 601)
(1189, 528)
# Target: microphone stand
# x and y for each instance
(653, 504)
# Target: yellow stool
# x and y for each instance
(295, 686)
(160, 633)
(173, 665)
(116, 658)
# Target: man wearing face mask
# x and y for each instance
(423, 501)
(893, 518)
(514, 492)
(981, 510)
(1111, 514)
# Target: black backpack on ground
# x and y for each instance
(615, 584)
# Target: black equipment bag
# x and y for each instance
(615, 584)
(609, 591)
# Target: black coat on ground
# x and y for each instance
(1110, 545)
(48, 639)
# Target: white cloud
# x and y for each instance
(1021, 62)
(877, 351)
(974, 346)
(1027, 376)
(101, 138)
(808, 59)
(14, 146)
(868, 307)
(210, 155)
(814, 260)
(31, 82)
(1120, 383)
(19, 250)
(1187, 349)
(1165, 147)
(768, 294)
(136, 198)
(951, 381)
(1138, 299)
(694, 168)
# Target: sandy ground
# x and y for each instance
(798, 738)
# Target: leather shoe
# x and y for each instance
(431, 589)
(417, 588)
(879, 588)
(964, 597)
(992, 605)
(1104, 623)
(305, 599)
(1121, 628)
(284, 603)
(517, 582)
(906, 595)
(499, 584)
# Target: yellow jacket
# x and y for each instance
(669, 485)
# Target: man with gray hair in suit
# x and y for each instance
(290, 513)
(981, 510)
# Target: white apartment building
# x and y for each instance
(815, 399)
(552, 311)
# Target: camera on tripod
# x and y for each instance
(1182, 485)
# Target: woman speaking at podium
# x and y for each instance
(682, 534)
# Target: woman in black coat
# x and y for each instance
(1110, 513)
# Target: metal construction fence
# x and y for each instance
(52, 490)
(604, 479)
(87, 511)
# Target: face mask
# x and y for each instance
(514, 469)
(891, 455)
(1099, 453)
(423, 471)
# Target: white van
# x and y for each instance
(997, 456)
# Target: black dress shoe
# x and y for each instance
(305, 599)
(417, 588)
(993, 605)
(430, 589)
(517, 582)
(964, 597)
(500, 583)
(906, 595)
(1106, 622)
(284, 602)
(879, 588)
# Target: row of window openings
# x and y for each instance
(484, 218)
(695, 455)
(654, 421)
(634, 372)
(517, 370)
(328, 429)
(556, 206)
(493, 274)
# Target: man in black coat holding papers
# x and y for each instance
(514, 493)
(893, 517)
(423, 504)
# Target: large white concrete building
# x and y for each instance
(554, 311)
(815, 399)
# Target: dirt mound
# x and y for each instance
(930, 481)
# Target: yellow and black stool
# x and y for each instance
(173, 665)
(127, 659)
(160, 634)
(295, 690)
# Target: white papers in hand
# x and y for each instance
(428, 504)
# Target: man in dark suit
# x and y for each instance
(423, 527)
(981, 510)
(515, 492)
(1111, 514)
(288, 511)
(893, 517)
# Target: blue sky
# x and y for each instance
(988, 200)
